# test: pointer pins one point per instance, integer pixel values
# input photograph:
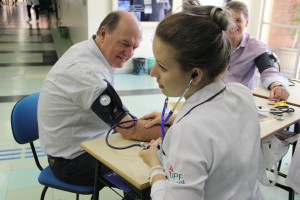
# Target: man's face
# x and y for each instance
(241, 22)
(119, 45)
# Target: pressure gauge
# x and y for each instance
(105, 100)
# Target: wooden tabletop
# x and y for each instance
(125, 163)
(294, 98)
(131, 167)
(269, 125)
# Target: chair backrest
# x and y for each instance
(24, 123)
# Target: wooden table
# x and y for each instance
(128, 165)
(125, 163)
(294, 98)
(270, 125)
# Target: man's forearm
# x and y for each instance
(140, 133)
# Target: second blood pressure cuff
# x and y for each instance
(265, 61)
(108, 106)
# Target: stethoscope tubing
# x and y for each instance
(120, 125)
(165, 120)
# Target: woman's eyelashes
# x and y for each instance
(162, 68)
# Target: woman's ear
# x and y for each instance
(196, 76)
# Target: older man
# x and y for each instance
(73, 85)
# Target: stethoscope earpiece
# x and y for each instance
(194, 75)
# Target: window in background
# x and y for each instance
(280, 29)
(147, 10)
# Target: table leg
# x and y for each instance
(96, 182)
(296, 128)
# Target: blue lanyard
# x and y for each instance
(165, 120)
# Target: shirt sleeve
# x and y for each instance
(89, 84)
(271, 75)
(157, 190)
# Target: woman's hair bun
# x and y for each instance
(218, 15)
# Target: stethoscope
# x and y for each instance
(293, 82)
(134, 121)
(277, 111)
(122, 125)
(165, 120)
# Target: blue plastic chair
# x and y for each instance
(25, 130)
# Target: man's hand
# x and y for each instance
(278, 91)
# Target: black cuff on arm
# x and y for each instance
(108, 106)
(263, 62)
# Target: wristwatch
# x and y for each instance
(279, 85)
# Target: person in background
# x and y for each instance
(211, 150)
(35, 4)
(1, 3)
(73, 85)
(248, 54)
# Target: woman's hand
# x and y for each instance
(155, 119)
(149, 155)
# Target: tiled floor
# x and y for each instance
(27, 52)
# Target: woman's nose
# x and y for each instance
(153, 71)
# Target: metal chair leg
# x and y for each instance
(279, 165)
(291, 194)
(44, 193)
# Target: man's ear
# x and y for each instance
(102, 32)
(246, 23)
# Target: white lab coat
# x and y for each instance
(212, 152)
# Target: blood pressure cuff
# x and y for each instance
(265, 61)
(108, 106)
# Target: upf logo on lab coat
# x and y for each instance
(176, 177)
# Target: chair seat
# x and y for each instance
(47, 178)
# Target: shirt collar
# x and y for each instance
(243, 42)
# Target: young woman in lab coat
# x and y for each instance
(211, 150)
